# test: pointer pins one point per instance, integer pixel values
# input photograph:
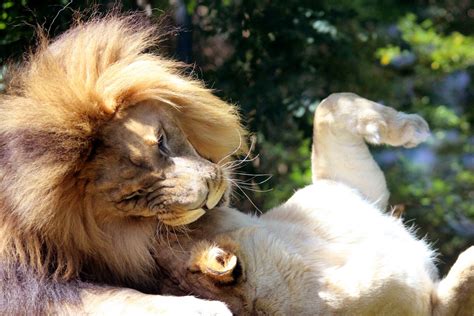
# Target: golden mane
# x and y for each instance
(54, 105)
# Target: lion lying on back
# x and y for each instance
(330, 249)
(101, 144)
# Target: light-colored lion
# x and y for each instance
(101, 142)
(330, 249)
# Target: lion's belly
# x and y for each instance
(360, 260)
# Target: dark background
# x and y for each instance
(277, 59)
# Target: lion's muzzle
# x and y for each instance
(193, 186)
(180, 218)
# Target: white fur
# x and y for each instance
(367, 263)
(298, 261)
(331, 249)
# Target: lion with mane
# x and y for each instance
(102, 144)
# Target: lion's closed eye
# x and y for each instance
(163, 145)
(135, 194)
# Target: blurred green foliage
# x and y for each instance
(277, 59)
(445, 53)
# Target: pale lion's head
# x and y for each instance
(100, 141)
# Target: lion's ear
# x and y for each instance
(214, 262)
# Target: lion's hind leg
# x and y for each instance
(455, 295)
(343, 123)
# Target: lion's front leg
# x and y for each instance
(121, 301)
(343, 123)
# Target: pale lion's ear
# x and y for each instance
(214, 262)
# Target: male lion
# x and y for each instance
(100, 142)
(330, 249)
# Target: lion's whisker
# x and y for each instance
(258, 190)
(177, 239)
(248, 181)
(233, 152)
(185, 231)
(249, 188)
(250, 200)
(240, 161)
(231, 165)
(252, 174)
(168, 240)
(235, 164)
(159, 231)
(235, 195)
(251, 182)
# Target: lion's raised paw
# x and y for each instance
(414, 130)
(395, 129)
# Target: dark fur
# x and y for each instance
(23, 292)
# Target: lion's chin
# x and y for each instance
(181, 219)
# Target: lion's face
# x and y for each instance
(145, 166)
